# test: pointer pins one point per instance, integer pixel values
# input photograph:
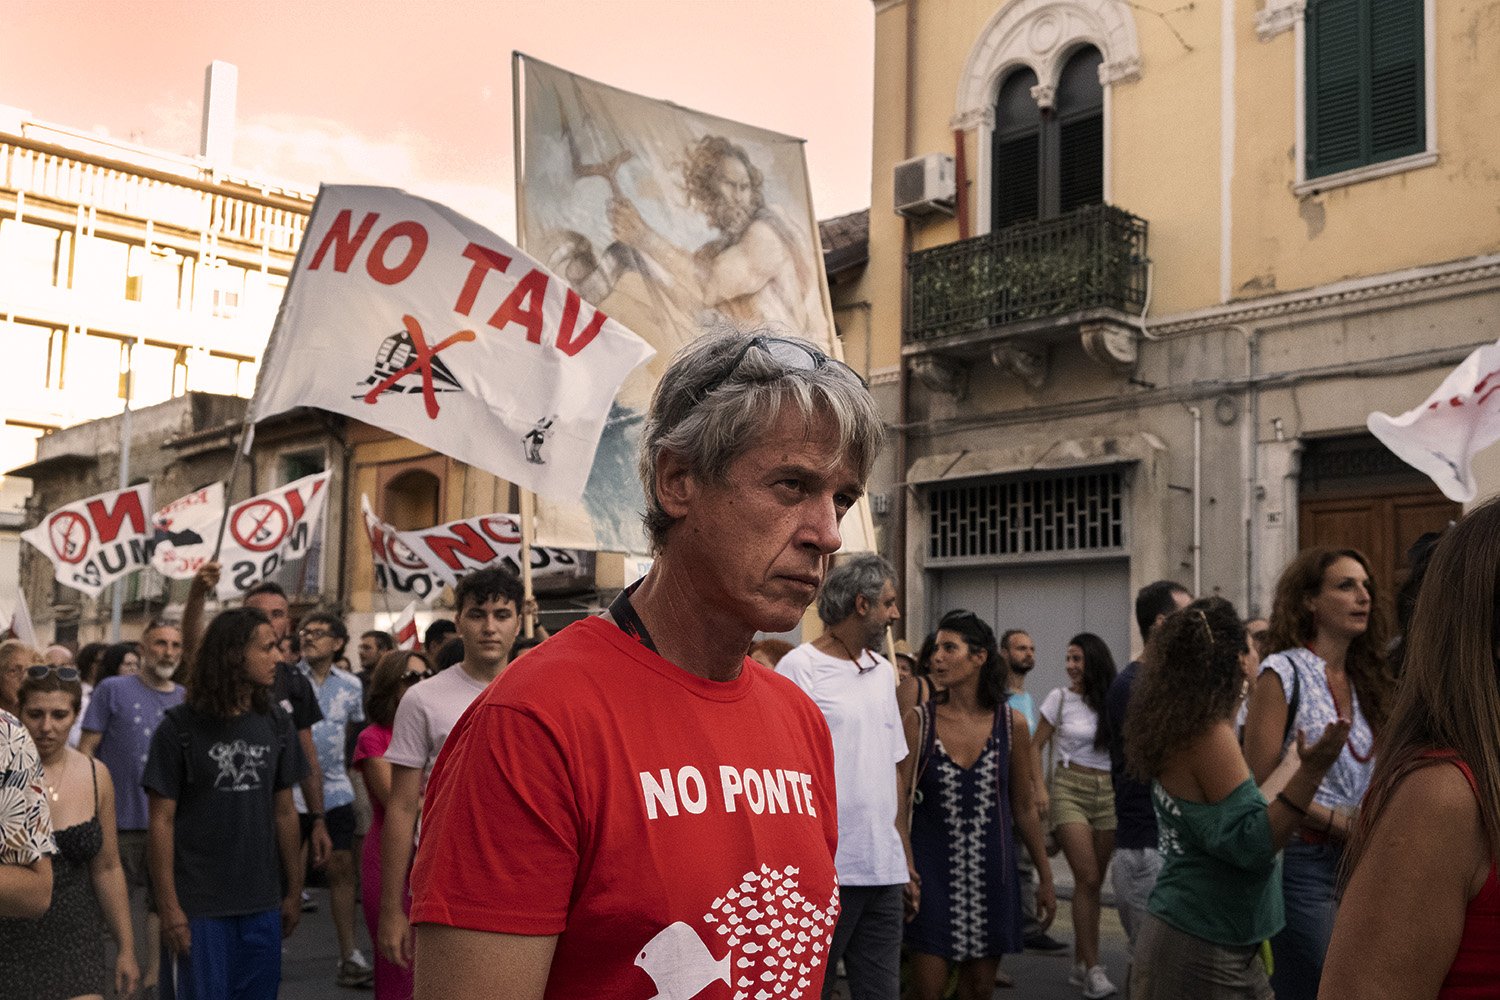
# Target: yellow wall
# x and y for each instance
(1445, 212)
(1164, 131)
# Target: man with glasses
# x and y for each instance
(340, 697)
(122, 716)
(856, 690)
(636, 808)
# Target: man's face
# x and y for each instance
(162, 650)
(320, 643)
(488, 629)
(736, 203)
(883, 613)
(368, 652)
(12, 673)
(754, 548)
(1020, 652)
(275, 608)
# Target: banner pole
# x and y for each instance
(528, 530)
(247, 438)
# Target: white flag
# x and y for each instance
(263, 533)
(404, 630)
(406, 315)
(180, 547)
(423, 561)
(1460, 419)
(95, 541)
(19, 620)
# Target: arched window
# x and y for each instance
(411, 500)
(1048, 160)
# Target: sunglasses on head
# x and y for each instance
(40, 670)
(792, 355)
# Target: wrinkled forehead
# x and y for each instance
(794, 437)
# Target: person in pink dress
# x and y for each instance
(395, 672)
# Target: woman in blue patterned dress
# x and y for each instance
(967, 775)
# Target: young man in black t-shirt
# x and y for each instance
(219, 777)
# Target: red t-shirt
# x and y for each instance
(677, 833)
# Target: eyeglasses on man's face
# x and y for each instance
(314, 634)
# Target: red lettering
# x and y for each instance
(344, 246)
(294, 502)
(108, 522)
(466, 543)
(377, 543)
(502, 529)
(384, 273)
(485, 260)
(524, 305)
(566, 342)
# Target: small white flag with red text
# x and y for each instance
(404, 631)
(1460, 419)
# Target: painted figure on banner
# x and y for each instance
(673, 222)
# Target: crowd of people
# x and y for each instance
(657, 803)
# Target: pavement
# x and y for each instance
(311, 954)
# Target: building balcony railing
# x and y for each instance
(274, 223)
(1092, 259)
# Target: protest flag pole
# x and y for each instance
(527, 499)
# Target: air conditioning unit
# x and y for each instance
(925, 186)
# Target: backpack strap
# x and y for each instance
(1295, 701)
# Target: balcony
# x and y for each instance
(1013, 292)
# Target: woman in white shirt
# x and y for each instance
(1073, 720)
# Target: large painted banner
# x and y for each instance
(673, 222)
(404, 314)
(422, 562)
(94, 541)
(261, 535)
(1442, 435)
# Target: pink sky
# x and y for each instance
(417, 94)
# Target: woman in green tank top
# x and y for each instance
(1219, 893)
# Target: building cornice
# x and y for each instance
(1472, 270)
(1278, 16)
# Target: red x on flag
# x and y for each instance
(421, 361)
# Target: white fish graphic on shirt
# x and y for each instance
(680, 964)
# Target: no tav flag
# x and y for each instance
(404, 314)
(94, 541)
(1442, 435)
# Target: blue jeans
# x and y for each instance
(233, 958)
(1309, 873)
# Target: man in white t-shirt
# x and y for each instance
(489, 602)
(856, 691)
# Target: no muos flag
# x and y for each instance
(180, 548)
(1442, 435)
(94, 541)
(261, 534)
(404, 314)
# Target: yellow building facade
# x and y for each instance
(1155, 265)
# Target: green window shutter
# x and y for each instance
(1080, 163)
(1397, 101)
(1016, 185)
(1365, 79)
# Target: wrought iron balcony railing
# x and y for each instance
(1094, 257)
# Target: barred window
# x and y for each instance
(1081, 512)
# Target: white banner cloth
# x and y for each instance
(406, 315)
(264, 533)
(94, 541)
(1460, 419)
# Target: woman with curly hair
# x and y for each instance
(966, 774)
(1083, 798)
(219, 779)
(1327, 661)
(1219, 893)
(1420, 915)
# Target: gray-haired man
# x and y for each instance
(635, 808)
(855, 689)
